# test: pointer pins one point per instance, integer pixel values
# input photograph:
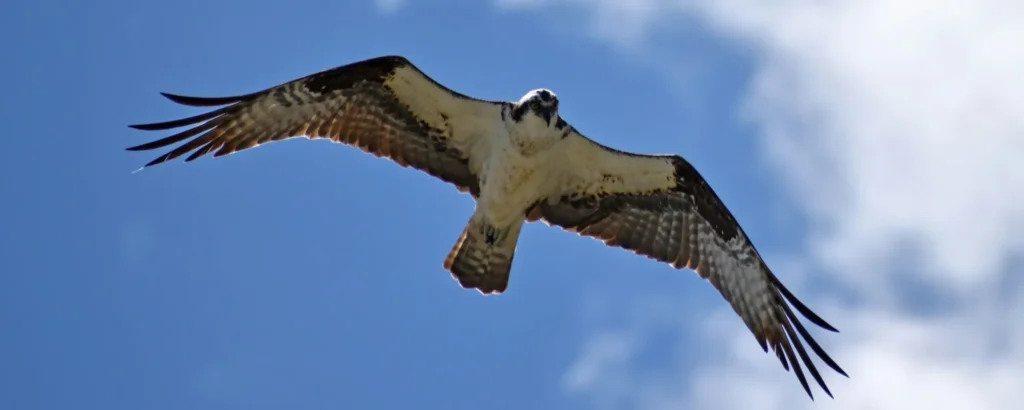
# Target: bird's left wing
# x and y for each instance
(660, 207)
(385, 106)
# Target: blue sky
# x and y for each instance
(305, 274)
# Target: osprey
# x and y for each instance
(521, 162)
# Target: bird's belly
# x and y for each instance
(511, 186)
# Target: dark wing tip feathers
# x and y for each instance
(166, 125)
(207, 101)
(188, 133)
(784, 350)
(800, 306)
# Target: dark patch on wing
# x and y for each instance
(373, 70)
(709, 206)
(348, 104)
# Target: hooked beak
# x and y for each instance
(547, 117)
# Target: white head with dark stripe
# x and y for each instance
(537, 109)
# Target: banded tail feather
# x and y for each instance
(482, 257)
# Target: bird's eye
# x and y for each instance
(535, 105)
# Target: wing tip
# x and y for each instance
(791, 321)
(194, 101)
(800, 306)
(153, 126)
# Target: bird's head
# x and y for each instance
(540, 103)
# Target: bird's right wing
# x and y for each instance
(385, 106)
(660, 207)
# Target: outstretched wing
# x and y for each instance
(659, 206)
(385, 106)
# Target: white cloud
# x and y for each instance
(623, 23)
(899, 126)
(389, 6)
(597, 371)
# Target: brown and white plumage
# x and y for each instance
(521, 162)
(385, 106)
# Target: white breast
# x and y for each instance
(511, 181)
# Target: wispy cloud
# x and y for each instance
(622, 23)
(389, 6)
(898, 127)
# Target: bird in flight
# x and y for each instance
(521, 162)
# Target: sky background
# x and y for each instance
(870, 149)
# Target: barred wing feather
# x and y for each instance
(385, 106)
(660, 207)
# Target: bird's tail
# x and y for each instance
(482, 257)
